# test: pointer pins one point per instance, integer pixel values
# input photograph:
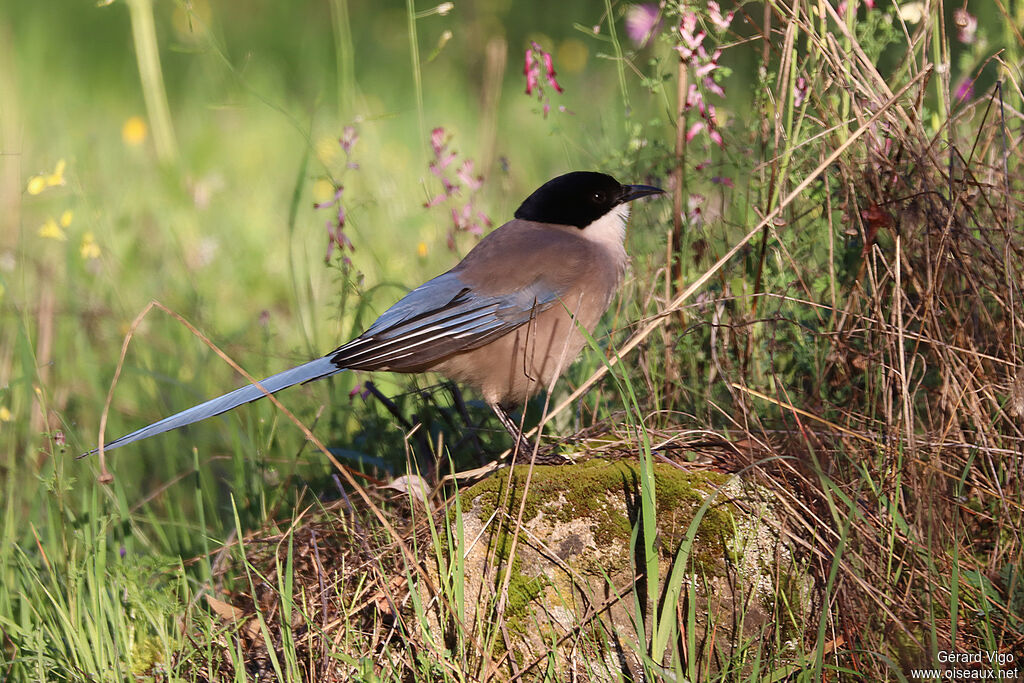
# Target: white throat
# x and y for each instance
(610, 229)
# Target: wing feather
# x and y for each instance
(438, 319)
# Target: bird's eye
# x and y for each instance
(597, 197)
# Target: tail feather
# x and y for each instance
(321, 367)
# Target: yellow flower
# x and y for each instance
(328, 150)
(57, 177)
(421, 249)
(65, 218)
(134, 130)
(52, 231)
(572, 55)
(322, 190)
(89, 248)
(36, 184)
(5, 414)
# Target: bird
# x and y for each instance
(506, 320)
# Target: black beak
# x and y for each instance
(631, 192)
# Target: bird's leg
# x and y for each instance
(523, 445)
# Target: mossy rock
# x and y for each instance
(572, 571)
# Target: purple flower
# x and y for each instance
(965, 90)
(641, 23)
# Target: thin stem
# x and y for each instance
(414, 50)
(619, 59)
(147, 52)
(345, 58)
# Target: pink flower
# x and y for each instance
(348, 138)
(641, 23)
(800, 91)
(336, 236)
(692, 51)
(708, 64)
(689, 41)
(694, 210)
(841, 8)
(715, 14)
(530, 72)
(713, 87)
(536, 59)
(360, 391)
(437, 140)
(694, 98)
(463, 216)
(966, 26)
(465, 174)
(549, 67)
(332, 201)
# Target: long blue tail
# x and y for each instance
(321, 367)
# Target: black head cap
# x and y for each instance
(578, 198)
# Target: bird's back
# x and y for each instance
(550, 258)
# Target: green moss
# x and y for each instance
(146, 656)
(608, 494)
(522, 591)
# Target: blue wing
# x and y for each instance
(439, 318)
